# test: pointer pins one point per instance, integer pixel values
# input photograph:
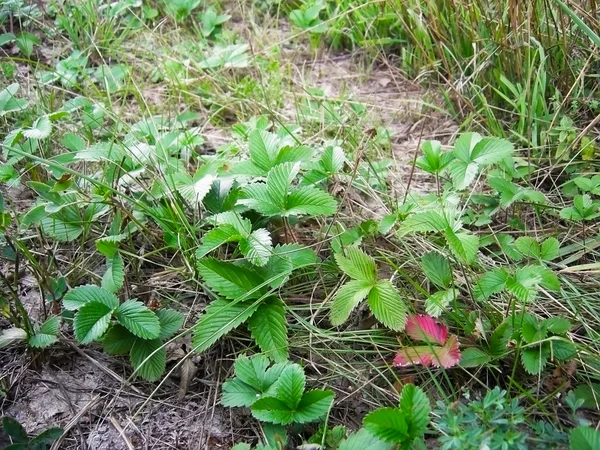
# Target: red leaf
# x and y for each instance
(426, 329)
(430, 355)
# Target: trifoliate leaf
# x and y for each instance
(387, 424)
(438, 302)
(528, 247)
(263, 147)
(534, 359)
(47, 333)
(549, 249)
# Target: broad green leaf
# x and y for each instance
(14, 429)
(230, 280)
(298, 153)
(290, 386)
(263, 147)
(562, 350)
(279, 180)
(463, 173)
(237, 393)
(534, 359)
(357, 264)
(60, 230)
(437, 303)
(40, 129)
(91, 321)
(387, 424)
(308, 200)
(257, 197)
(47, 333)
(550, 249)
(114, 277)
(557, 325)
(491, 150)
(387, 306)
(216, 237)
(437, 269)
(584, 438)
(463, 245)
(426, 222)
(528, 247)
(464, 145)
(363, 440)
(415, 405)
(348, 298)
(490, 283)
(256, 372)
(76, 298)
(314, 405)
(257, 247)
(219, 318)
(137, 318)
(170, 322)
(45, 438)
(108, 245)
(148, 358)
(118, 340)
(268, 326)
(533, 330)
(473, 357)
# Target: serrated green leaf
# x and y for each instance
(416, 407)
(263, 147)
(12, 336)
(108, 245)
(437, 303)
(557, 325)
(562, 349)
(170, 322)
(40, 129)
(114, 277)
(137, 318)
(346, 299)
(463, 245)
(473, 357)
(387, 424)
(270, 409)
(534, 359)
(357, 264)
(437, 269)
(76, 298)
(290, 386)
(118, 340)
(14, 429)
(584, 438)
(236, 393)
(528, 247)
(427, 222)
(47, 333)
(308, 200)
(533, 330)
(91, 321)
(550, 249)
(148, 358)
(490, 283)
(230, 280)
(387, 306)
(219, 318)
(313, 405)
(462, 173)
(269, 329)
(363, 440)
(60, 230)
(257, 247)
(216, 237)
(491, 150)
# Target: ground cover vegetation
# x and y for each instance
(269, 224)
